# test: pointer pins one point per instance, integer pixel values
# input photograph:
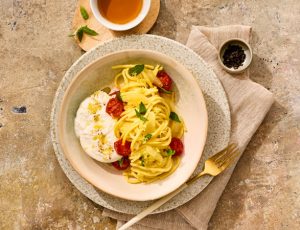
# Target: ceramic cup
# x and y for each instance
(120, 27)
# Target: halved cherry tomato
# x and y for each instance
(121, 164)
(176, 145)
(114, 107)
(123, 150)
(165, 80)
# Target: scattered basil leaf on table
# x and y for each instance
(83, 30)
(89, 31)
(174, 116)
(79, 34)
(84, 13)
(137, 69)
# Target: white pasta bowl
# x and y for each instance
(190, 105)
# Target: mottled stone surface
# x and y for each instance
(35, 52)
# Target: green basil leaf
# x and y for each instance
(140, 116)
(137, 69)
(142, 108)
(79, 34)
(83, 30)
(144, 119)
(84, 13)
(165, 91)
(170, 152)
(120, 161)
(148, 137)
(173, 116)
(137, 113)
(106, 90)
(89, 31)
(118, 96)
(142, 160)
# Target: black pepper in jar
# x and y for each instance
(234, 56)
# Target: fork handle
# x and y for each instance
(152, 207)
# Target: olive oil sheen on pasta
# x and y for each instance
(120, 11)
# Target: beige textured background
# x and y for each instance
(35, 52)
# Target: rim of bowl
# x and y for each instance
(120, 27)
(61, 122)
(242, 68)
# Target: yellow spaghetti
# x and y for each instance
(146, 123)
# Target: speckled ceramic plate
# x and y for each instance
(217, 107)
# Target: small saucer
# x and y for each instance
(247, 50)
(105, 34)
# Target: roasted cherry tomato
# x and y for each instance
(123, 150)
(165, 80)
(121, 164)
(176, 145)
(114, 107)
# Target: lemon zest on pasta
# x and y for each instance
(149, 160)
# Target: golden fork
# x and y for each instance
(213, 166)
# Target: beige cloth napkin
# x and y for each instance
(249, 103)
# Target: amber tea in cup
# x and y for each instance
(120, 11)
(120, 15)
